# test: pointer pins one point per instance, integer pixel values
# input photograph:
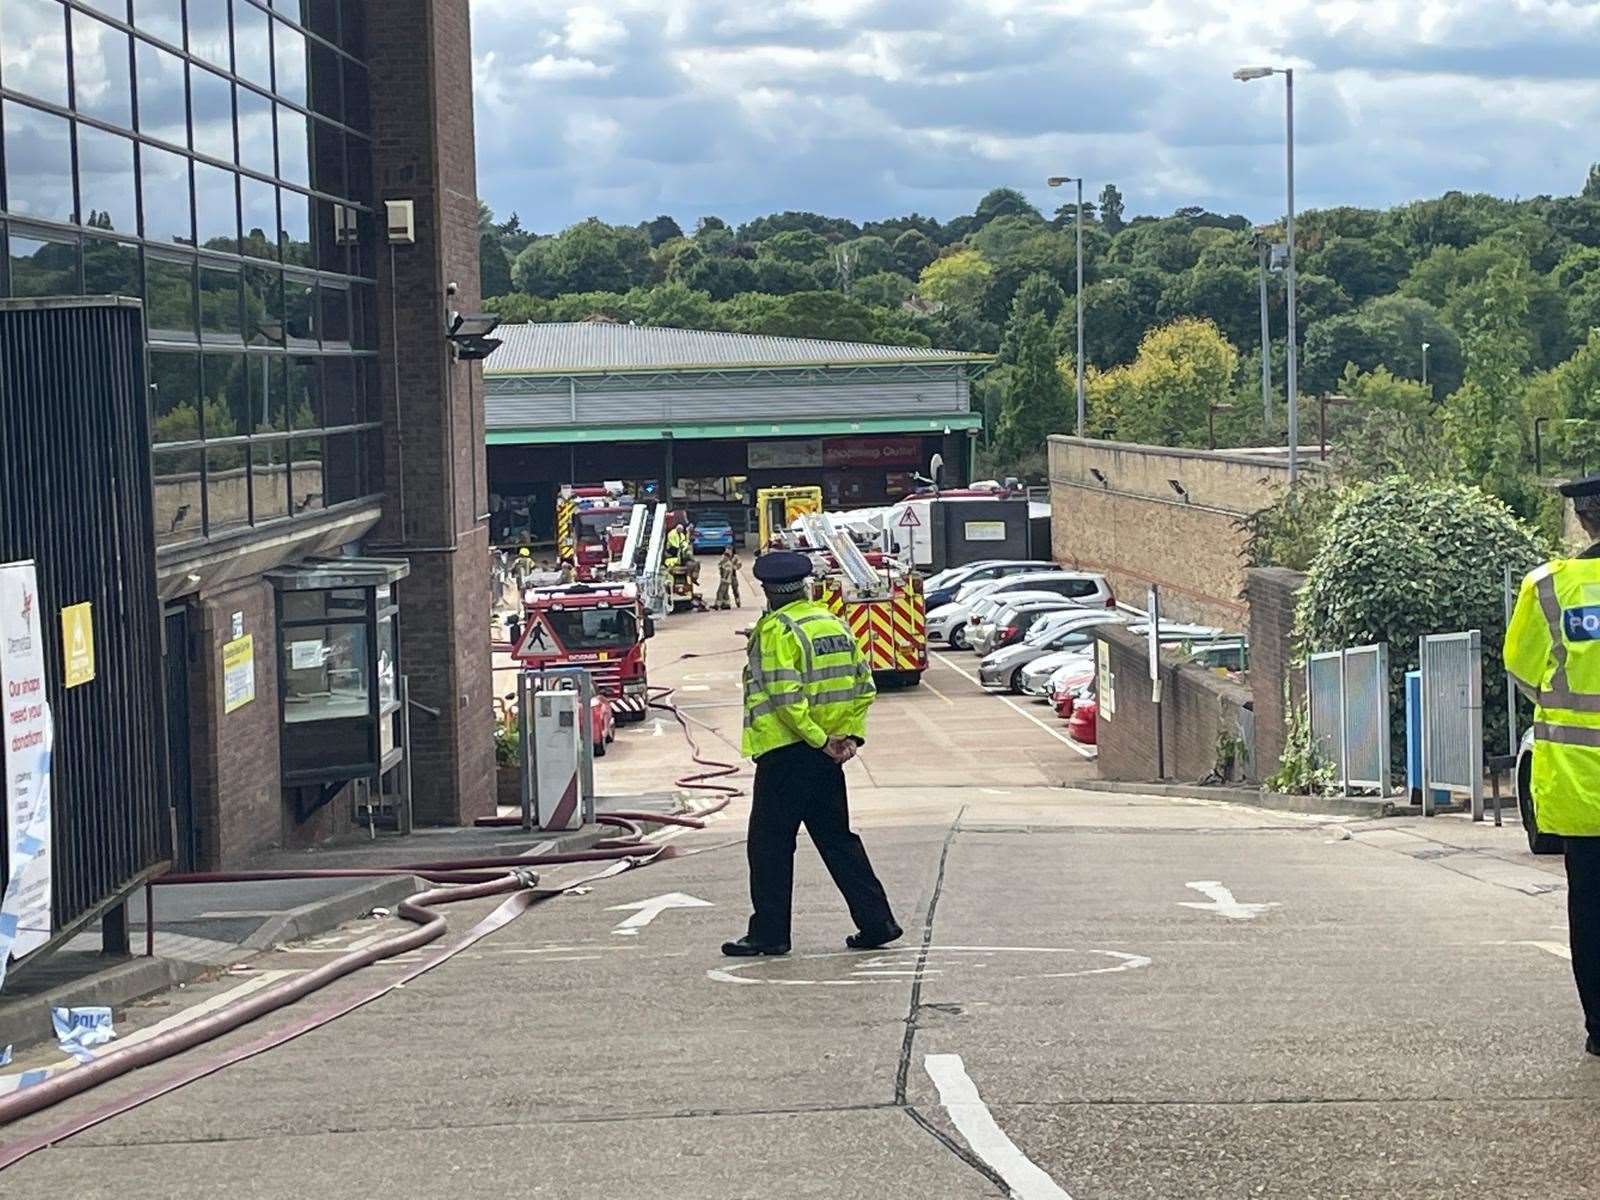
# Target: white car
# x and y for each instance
(1089, 589)
(951, 623)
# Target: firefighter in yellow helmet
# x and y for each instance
(806, 694)
(1553, 651)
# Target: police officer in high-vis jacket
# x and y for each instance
(807, 689)
(1553, 650)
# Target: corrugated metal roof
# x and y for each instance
(580, 347)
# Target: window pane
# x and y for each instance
(372, 462)
(266, 392)
(330, 681)
(333, 253)
(326, 74)
(339, 402)
(163, 18)
(363, 312)
(263, 303)
(38, 164)
(269, 480)
(177, 496)
(100, 71)
(174, 397)
(294, 237)
(294, 156)
(110, 268)
(305, 394)
(169, 298)
(227, 489)
(43, 268)
(255, 132)
(106, 180)
(227, 396)
(33, 46)
(334, 311)
(327, 159)
(289, 62)
(211, 103)
(353, 29)
(306, 489)
(112, 8)
(341, 475)
(165, 180)
(259, 205)
(163, 111)
(299, 308)
(216, 207)
(219, 305)
(321, 17)
(357, 112)
(252, 44)
(358, 160)
(208, 32)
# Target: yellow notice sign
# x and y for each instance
(238, 673)
(77, 638)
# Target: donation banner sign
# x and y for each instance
(25, 908)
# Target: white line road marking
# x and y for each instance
(1083, 751)
(649, 910)
(938, 693)
(1555, 948)
(694, 687)
(882, 968)
(1222, 902)
(972, 1119)
(239, 991)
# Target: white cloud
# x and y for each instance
(870, 108)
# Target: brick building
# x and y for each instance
(316, 447)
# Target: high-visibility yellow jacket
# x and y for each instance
(804, 680)
(1553, 651)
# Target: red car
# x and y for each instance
(602, 725)
(1082, 724)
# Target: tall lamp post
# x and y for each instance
(1247, 75)
(1057, 181)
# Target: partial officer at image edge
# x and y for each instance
(1552, 650)
(807, 689)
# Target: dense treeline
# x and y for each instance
(1505, 293)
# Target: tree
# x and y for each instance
(1111, 209)
(1591, 186)
(1362, 267)
(720, 278)
(494, 268)
(1039, 296)
(1483, 417)
(678, 306)
(883, 289)
(831, 229)
(707, 225)
(1034, 402)
(913, 251)
(826, 315)
(780, 277)
(1384, 333)
(1003, 202)
(1576, 385)
(662, 229)
(958, 279)
(1228, 297)
(862, 256)
(518, 308)
(1393, 428)
(796, 246)
(1117, 313)
(1181, 371)
(534, 270)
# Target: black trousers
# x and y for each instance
(1583, 920)
(795, 786)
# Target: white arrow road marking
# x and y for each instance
(649, 910)
(972, 1119)
(1222, 902)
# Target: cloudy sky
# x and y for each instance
(866, 108)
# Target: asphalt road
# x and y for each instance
(1098, 997)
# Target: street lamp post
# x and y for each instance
(1246, 75)
(1057, 181)
(1264, 253)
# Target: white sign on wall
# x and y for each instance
(986, 531)
(25, 909)
(1107, 687)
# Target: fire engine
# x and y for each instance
(588, 518)
(777, 508)
(877, 597)
(601, 627)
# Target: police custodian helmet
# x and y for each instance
(782, 572)
(1584, 494)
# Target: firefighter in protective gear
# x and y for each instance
(807, 690)
(1552, 649)
(677, 544)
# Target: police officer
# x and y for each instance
(806, 694)
(1553, 651)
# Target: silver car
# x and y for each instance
(1035, 677)
(1003, 668)
(1009, 623)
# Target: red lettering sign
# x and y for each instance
(872, 452)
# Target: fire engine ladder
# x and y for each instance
(824, 535)
(652, 578)
(628, 565)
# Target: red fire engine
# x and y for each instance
(601, 627)
(586, 516)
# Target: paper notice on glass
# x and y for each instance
(305, 655)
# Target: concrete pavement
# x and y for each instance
(1122, 996)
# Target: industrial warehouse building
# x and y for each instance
(193, 203)
(717, 415)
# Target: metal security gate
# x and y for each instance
(1347, 695)
(75, 497)
(1452, 717)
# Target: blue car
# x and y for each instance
(712, 534)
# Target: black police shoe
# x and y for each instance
(745, 948)
(871, 941)
(1593, 1046)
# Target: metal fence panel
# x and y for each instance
(1325, 708)
(1452, 717)
(1366, 718)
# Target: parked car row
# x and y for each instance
(1033, 626)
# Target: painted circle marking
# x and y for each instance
(897, 966)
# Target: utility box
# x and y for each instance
(940, 532)
(559, 727)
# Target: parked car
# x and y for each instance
(1090, 590)
(982, 609)
(1083, 725)
(713, 533)
(602, 725)
(1035, 676)
(1070, 684)
(941, 588)
(1010, 621)
(1003, 668)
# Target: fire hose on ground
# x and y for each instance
(464, 879)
